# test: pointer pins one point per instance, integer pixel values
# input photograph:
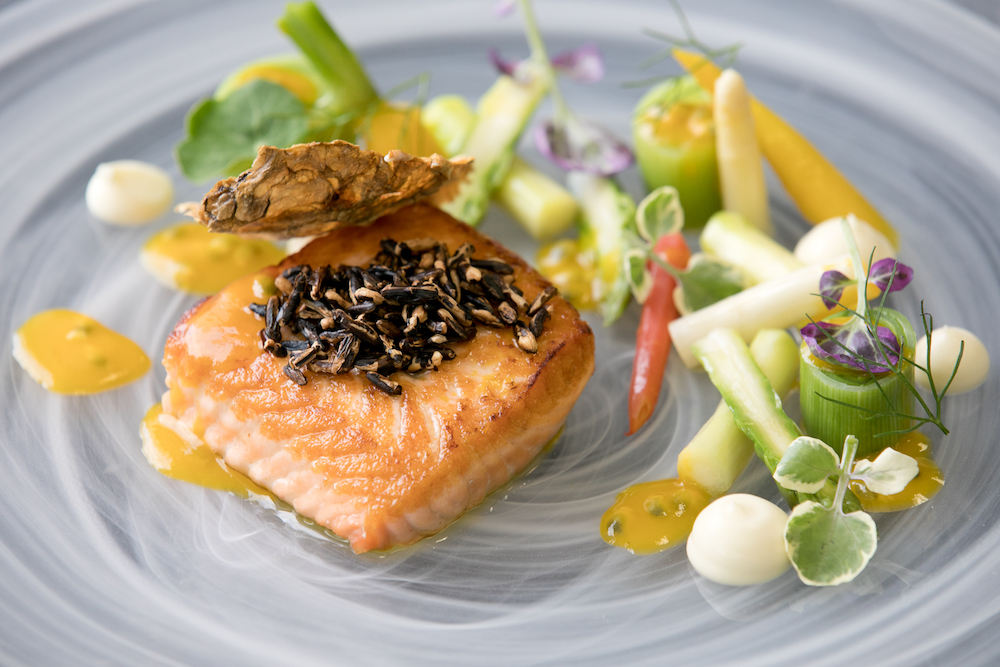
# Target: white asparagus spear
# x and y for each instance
(741, 172)
(776, 304)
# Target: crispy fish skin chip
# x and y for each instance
(310, 189)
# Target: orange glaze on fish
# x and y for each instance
(376, 469)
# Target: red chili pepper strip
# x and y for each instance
(652, 340)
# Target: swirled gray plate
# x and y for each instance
(103, 561)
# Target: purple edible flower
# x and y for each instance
(888, 270)
(508, 67)
(580, 145)
(583, 64)
(504, 8)
(851, 344)
(831, 286)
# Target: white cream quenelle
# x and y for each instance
(945, 345)
(129, 192)
(738, 540)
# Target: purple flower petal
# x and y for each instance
(508, 67)
(851, 345)
(888, 269)
(831, 286)
(584, 64)
(581, 145)
(504, 8)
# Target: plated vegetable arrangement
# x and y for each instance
(699, 142)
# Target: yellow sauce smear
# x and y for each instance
(571, 270)
(175, 457)
(921, 488)
(70, 353)
(189, 258)
(653, 516)
(683, 125)
(398, 127)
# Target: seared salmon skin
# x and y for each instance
(376, 469)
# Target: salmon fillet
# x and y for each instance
(377, 470)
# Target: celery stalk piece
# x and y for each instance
(450, 119)
(608, 214)
(542, 206)
(335, 62)
(719, 452)
(729, 237)
(776, 304)
(502, 114)
(756, 408)
(674, 139)
(741, 171)
(832, 423)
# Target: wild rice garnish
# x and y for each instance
(398, 314)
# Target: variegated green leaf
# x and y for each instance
(806, 465)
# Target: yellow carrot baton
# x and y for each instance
(818, 187)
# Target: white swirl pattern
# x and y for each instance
(103, 561)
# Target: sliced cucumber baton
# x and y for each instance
(719, 452)
(756, 408)
(608, 212)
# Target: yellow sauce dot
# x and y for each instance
(175, 457)
(571, 270)
(653, 516)
(189, 258)
(921, 488)
(70, 353)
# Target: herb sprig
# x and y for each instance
(827, 546)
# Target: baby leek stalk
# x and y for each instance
(542, 206)
(501, 116)
(674, 139)
(826, 388)
(719, 452)
(741, 172)
(729, 237)
(608, 212)
(776, 304)
(755, 406)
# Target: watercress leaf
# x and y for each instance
(888, 474)
(806, 465)
(706, 281)
(889, 270)
(831, 286)
(826, 546)
(583, 64)
(659, 214)
(223, 135)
